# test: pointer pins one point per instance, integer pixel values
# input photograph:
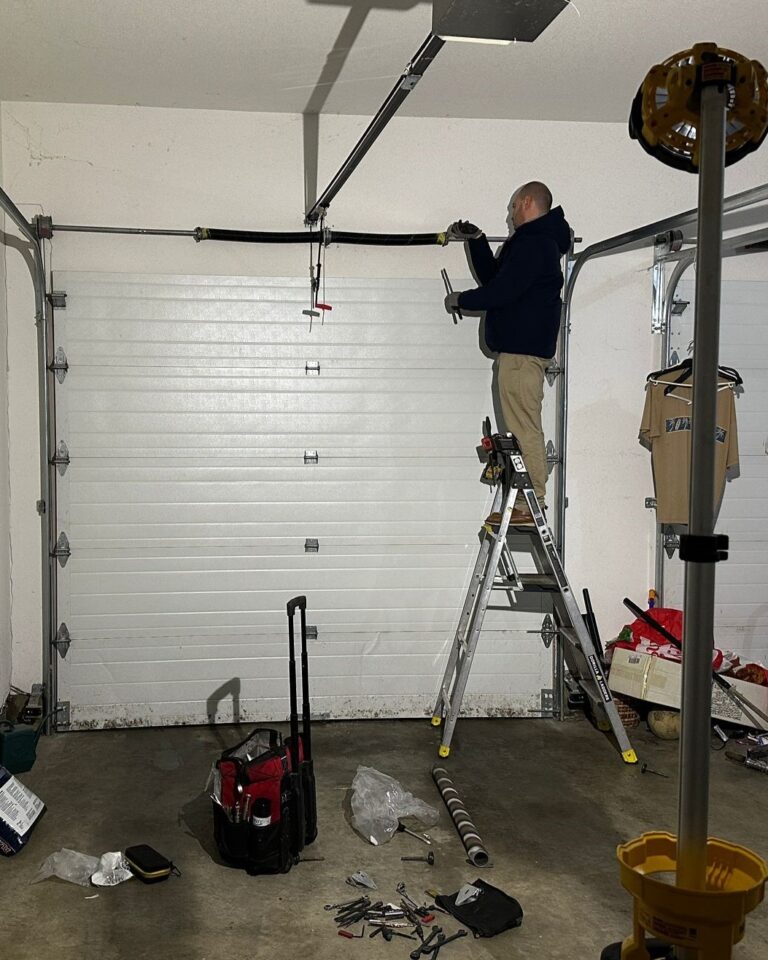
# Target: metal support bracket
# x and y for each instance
(552, 373)
(62, 714)
(60, 365)
(62, 640)
(679, 307)
(61, 458)
(58, 299)
(62, 551)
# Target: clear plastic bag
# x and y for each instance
(68, 865)
(379, 802)
(112, 869)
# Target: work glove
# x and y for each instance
(462, 230)
(452, 302)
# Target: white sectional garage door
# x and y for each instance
(193, 409)
(741, 611)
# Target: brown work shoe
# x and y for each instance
(493, 520)
(521, 517)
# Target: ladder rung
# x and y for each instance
(538, 581)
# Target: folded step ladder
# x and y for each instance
(495, 569)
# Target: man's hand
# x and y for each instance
(452, 302)
(462, 230)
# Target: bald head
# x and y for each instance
(529, 202)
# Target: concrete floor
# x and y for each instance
(551, 801)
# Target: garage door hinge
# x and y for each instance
(311, 456)
(312, 367)
(553, 457)
(62, 640)
(61, 550)
(547, 701)
(58, 299)
(671, 543)
(552, 373)
(311, 545)
(61, 457)
(59, 365)
(650, 503)
(548, 631)
(40, 506)
(311, 633)
(62, 714)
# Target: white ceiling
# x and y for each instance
(278, 55)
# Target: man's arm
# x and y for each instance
(484, 263)
(519, 271)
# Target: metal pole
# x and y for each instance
(408, 80)
(45, 401)
(693, 807)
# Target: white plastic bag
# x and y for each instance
(112, 869)
(68, 865)
(379, 802)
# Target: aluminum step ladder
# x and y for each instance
(495, 569)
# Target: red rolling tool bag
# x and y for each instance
(264, 808)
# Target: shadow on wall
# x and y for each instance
(231, 687)
(334, 64)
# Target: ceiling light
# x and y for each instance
(494, 21)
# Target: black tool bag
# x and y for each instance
(492, 912)
(252, 804)
(264, 808)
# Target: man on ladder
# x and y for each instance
(520, 294)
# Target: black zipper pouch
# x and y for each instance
(149, 865)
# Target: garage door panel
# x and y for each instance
(187, 411)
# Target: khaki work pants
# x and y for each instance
(521, 390)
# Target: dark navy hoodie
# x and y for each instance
(520, 290)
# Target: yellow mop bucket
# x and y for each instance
(709, 921)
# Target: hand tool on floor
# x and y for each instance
(646, 769)
(738, 698)
(443, 940)
(424, 947)
(430, 859)
(349, 903)
(424, 837)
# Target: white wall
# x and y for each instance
(5, 503)
(180, 169)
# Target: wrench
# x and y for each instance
(441, 942)
(400, 888)
(436, 932)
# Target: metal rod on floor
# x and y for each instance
(693, 809)
(406, 82)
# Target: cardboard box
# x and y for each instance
(658, 681)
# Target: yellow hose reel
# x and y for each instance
(665, 112)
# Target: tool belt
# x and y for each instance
(254, 806)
